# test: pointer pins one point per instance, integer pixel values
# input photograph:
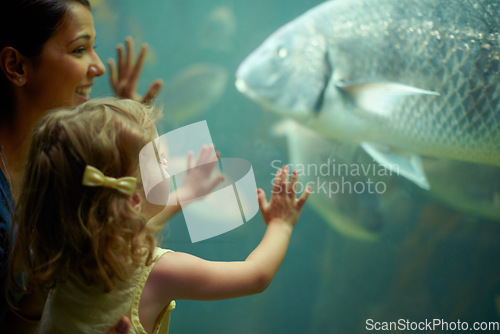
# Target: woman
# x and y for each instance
(47, 60)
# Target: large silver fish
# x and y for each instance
(403, 78)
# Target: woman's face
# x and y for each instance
(64, 73)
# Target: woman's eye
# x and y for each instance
(79, 50)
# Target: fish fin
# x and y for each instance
(408, 166)
(380, 97)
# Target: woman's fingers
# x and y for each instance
(153, 91)
(137, 69)
(113, 78)
(119, 59)
(129, 56)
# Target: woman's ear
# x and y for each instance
(135, 201)
(13, 65)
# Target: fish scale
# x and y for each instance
(438, 46)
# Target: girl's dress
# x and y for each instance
(74, 307)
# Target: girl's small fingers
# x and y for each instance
(278, 182)
(285, 171)
(213, 154)
(210, 154)
(190, 160)
(303, 198)
(286, 178)
(207, 153)
(261, 198)
(202, 155)
(292, 191)
(216, 181)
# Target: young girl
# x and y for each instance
(82, 228)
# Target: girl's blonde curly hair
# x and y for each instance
(63, 227)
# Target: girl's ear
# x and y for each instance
(135, 200)
(13, 65)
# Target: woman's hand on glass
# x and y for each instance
(124, 76)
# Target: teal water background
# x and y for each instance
(429, 262)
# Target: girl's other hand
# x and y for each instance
(199, 180)
(284, 204)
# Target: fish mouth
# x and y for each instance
(267, 104)
(243, 88)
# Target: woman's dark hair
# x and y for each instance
(26, 25)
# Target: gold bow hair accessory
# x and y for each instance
(93, 177)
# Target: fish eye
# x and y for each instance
(281, 52)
